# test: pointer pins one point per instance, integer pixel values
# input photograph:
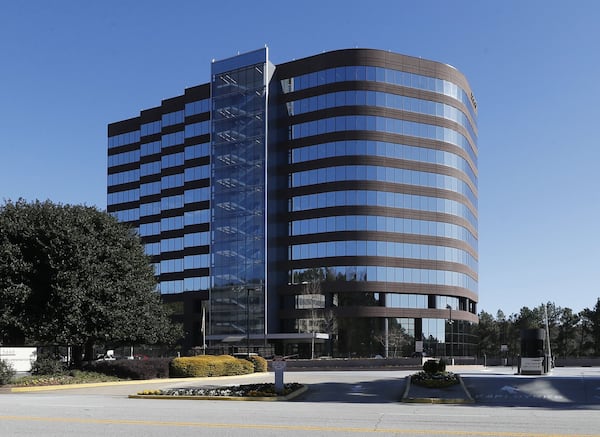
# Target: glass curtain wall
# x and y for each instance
(239, 98)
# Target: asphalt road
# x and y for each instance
(337, 403)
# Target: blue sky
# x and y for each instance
(71, 67)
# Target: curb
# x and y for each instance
(292, 395)
(123, 382)
(468, 399)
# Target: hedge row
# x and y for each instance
(204, 365)
(132, 369)
(209, 365)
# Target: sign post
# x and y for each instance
(279, 367)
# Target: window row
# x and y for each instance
(201, 261)
(382, 174)
(123, 177)
(197, 195)
(150, 128)
(382, 100)
(187, 263)
(150, 168)
(127, 215)
(167, 223)
(196, 217)
(122, 139)
(173, 160)
(123, 196)
(374, 223)
(393, 275)
(171, 181)
(173, 139)
(150, 188)
(382, 149)
(383, 124)
(382, 198)
(197, 173)
(197, 129)
(394, 300)
(152, 208)
(380, 74)
(123, 158)
(188, 240)
(150, 148)
(172, 118)
(171, 223)
(149, 229)
(187, 284)
(197, 151)
(197, 107)
(388, 249)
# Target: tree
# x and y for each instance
(591, 328)
(74, 275)
(488, 333)
(566, 342)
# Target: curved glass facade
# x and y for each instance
(385, 219)
(335, 194)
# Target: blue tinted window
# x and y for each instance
(153, 127)
(150, 148)
(123, 139)
(172, 139)
(197, 151)
(172, 118)
(123, 158)
(197, 107)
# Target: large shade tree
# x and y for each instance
(74, 275)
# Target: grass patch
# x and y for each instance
(72, 377)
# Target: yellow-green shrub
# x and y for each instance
(209, 365)
(260, 364)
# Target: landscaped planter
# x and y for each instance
(246, 392)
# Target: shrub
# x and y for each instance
(259, 363)
(431, 366)
(132, 369)
(209, 365)
(7, 372)
(441, 365)
(47, 365)
(435, 380)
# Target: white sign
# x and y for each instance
(419, 346)
(532, 365)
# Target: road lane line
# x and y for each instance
(283, 427)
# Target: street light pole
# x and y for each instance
(450, 321)
(248, 322)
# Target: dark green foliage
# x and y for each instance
(132, 369)
(571, 334)
(441, 365)
(7, 372)
(48, 365)
(435, 380)
(431, 366)
(74, 275)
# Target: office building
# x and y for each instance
(323, 206)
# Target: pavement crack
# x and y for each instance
(376, 427)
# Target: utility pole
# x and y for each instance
(451, 323)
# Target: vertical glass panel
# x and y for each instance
(239, 96)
